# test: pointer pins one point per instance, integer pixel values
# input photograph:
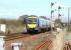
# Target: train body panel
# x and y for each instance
(43, 23)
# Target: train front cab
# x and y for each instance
(32, 24)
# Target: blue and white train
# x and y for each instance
(38, 24)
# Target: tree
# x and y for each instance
(22, 19)
(3, 21)
(58, 23)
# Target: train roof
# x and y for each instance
(32, 16)
(44, 17)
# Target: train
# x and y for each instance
(37, 24)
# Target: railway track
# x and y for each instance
(16, 36)
(47, 44)
(22, 35)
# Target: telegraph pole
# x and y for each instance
(68, 17)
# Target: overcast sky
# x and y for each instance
(16, 8)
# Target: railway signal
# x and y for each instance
(52, 11)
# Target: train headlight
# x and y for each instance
(32, 25)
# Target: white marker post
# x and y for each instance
(2, 42)
(16, 46)
(3, 28)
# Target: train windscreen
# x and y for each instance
(31, 20)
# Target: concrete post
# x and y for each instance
(16, 46)
(59, 41)
(2, 42)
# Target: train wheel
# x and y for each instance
(28, 31)
(36, 31)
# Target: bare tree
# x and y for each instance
(22, 19)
